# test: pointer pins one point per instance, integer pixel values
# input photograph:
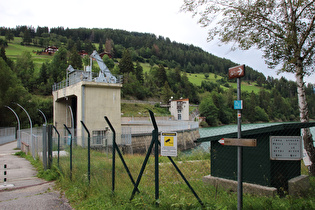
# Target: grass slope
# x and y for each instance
(14, 50)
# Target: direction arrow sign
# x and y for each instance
(237, 71)
(238, 142)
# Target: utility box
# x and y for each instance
(258, 166)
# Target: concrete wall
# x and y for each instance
(185, 140)
(92, 101)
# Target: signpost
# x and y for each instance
(238, 72)
(238, 142)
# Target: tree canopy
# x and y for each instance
(283, 29)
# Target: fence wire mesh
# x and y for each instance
(204, 160)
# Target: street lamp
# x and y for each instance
(43, 116)
(29, 118)
(19, 128)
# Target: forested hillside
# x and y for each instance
(153, 67)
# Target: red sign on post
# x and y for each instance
(237, 71)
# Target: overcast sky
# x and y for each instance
(160, 17)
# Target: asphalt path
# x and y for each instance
(21, 189)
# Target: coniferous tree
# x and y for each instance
(139, 72)
(24, 69)
(125, 64)
(5, 58)
(75, 59)
(58, 65)
(27, 39)
(9, 35)
(166, 93)
(100, 47)
(161, 76)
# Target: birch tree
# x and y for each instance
(283, 29)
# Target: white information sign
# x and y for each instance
(169, 144)
(286, 148)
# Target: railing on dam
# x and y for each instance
(145, 126)
(78, 78)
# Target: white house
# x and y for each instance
(180, 109)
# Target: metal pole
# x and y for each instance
(72, 124)
(239, 152)
(50, 144)
(89, 149)
(155, 134)
(113, 161)
(44, 148)
(58, 142)
(29, 118)
(19, 128)
(156, 157)
(70, 150)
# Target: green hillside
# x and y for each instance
(15, 48)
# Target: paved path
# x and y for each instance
(23, 190)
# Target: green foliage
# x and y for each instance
(125, 64)
(75, 59)
(108, 62)
(261, 115)
(148, 81)
(139, 72)
(166, 93)
(133, 87)
(58, 65)
(209, 110)
(24, 69)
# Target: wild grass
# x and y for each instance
(173, 192)
(142, 110)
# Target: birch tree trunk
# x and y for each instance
(304, 117)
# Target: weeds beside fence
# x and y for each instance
(173, 191)
(97, 193)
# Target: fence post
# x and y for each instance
(44, 148)
(115, 147)
(58, 142)
(50, 144)
(155, 134)
(89, 149)
(70, 150)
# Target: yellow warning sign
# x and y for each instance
(169, 141)
(169, 144)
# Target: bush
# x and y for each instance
(203, 124)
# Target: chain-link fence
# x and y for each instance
(204, 175)
(7, 135)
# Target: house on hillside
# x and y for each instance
(50, 50)
(180, 109)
